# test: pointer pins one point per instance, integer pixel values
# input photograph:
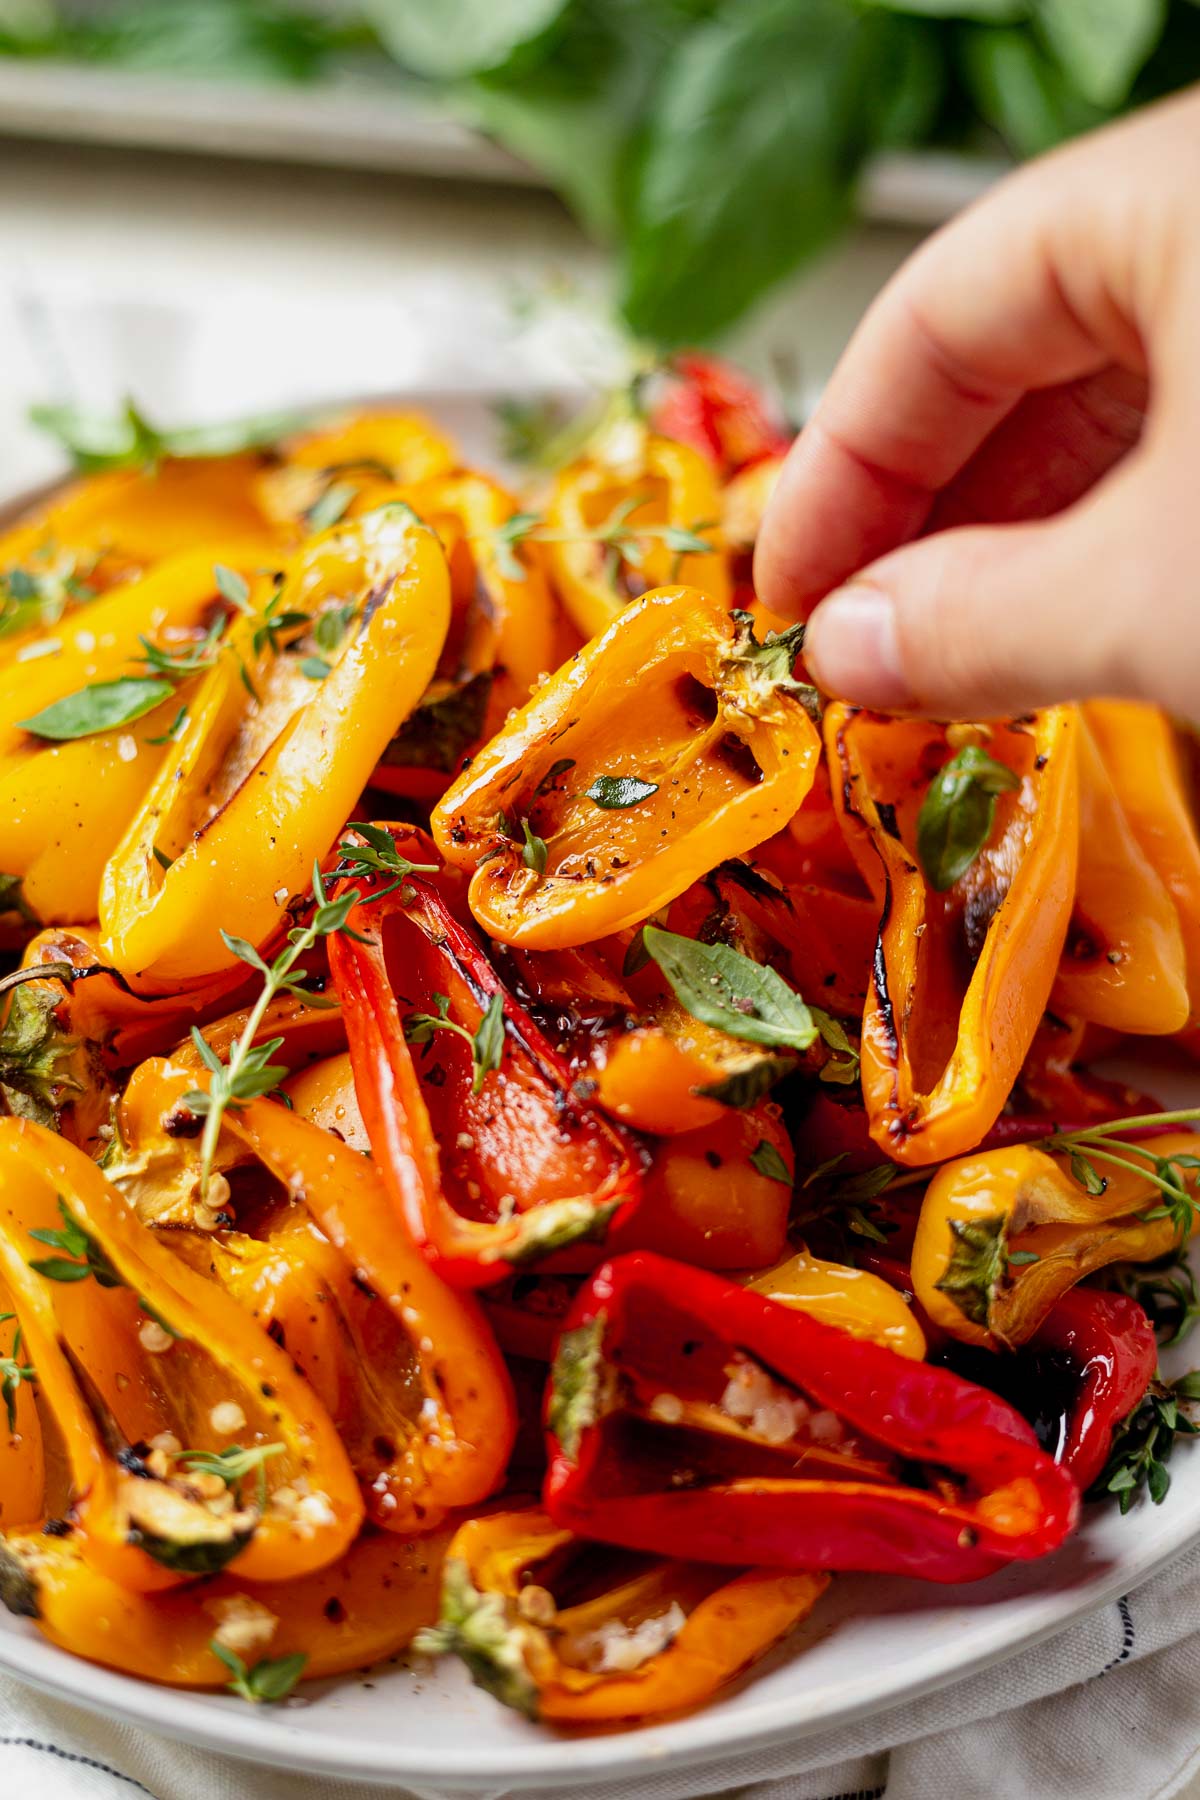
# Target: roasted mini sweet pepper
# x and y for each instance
(706, 402)
(1003, 1234)
(356, 1611)
(66, 801)
(1124, 962)
(687, 1413)
(1110, 1346)
(443, 1442)
(853, 1300)
(488, 1155)
(670, 743)
(1141, 753)
(369, 449)
(628, 517)
(151, 1376)
(528, 1608)
(961, 977)
(256, 788)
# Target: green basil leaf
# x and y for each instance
(454, 38)
(487, 1045)
(760, 120)
(1101, 44)
(958, 812)
(615, 791)
(101, 706)
(767, 1160)
(1020, 91)
(721, 987)
(534, 853)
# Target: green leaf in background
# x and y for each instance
(756, 131)
(1101, 44)
(990, 12)
(129, 441)
(577, 114)
(447, 39)
(1022, 91)
(103, 706)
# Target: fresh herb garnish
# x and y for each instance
(315, 668)
(534, 853)
(1142, 1444)
(486, 1042)
(376, 855)
(621, 541)
(721, 987)
(12, 1373)
(232, 587)
(249, 1073)
(958, 813)
(547, 785)
(101, 706)
(842, 1068)
(272, 1678)
(616, 791)
(1174, 1176)
(767, 1160)
(190, 659)
(174, 730)
(82, 1256)
(273, 623)
(233, 1465)
(1166, 1291)
(35, 599)
(332, 625)
(331, 506)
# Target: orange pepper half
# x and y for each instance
(961, 978)
(676, 699)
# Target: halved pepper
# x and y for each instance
(138, 1360)
(255, 790)
(670, 743)
(1110, 1344)
(487, 1166)
(573, 1633)
(1004, 1234)
(1124, 964)
(1141, 752)
(65, 805)
(687, 1413)
(853, 1300)
(451, 1449)
(356, 1611)
(640, 480)
(961, 978)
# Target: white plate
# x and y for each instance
(870, 1643)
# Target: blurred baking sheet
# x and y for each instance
(367, 126)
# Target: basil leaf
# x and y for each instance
(1101, 44)
(487, 1045)
(534, 853)
(767, 1160)
(460, 37)
(101, 706)
(958, 812)
(721, 987)
(615, 791)
(760, 119)
(1020, 91)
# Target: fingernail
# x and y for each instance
(853, 648)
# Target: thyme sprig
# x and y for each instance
(1143, 1443)
(12, 1373)
(622, 542)
(249, 1072)
(486, 1041)
(1092, 1145)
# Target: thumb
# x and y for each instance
(991, 621)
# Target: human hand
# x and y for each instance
(996, 501)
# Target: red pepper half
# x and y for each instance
(693, 1417)
(488, 1180)
(1112, 1344)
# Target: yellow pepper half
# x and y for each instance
(853, 1300)
(256, 790)
(1002, 1235)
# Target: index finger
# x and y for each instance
(1008, 298)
